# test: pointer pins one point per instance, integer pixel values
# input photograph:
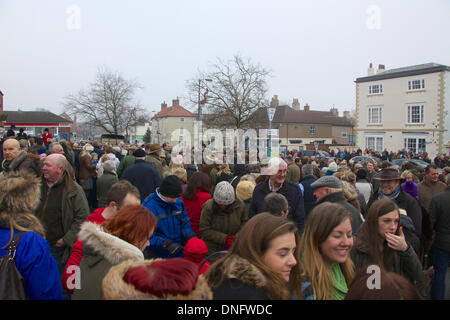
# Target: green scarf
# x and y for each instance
(340, 285)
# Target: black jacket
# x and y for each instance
(144, 177)
(440, 218)
(413, 210)
(293, 195)
(308, 195)
(338, 197)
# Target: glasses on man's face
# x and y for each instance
(281, 172)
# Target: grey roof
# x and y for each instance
(406, 72)
(33, 117)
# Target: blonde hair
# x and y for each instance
(181, 174)
(321, 222)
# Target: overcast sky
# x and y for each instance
(314, 49)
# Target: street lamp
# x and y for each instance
(200, 105)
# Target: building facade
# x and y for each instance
(404, 108)
(168, 119)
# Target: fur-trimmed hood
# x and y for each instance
(115, 288)
(242, 270)
(19, 192)
(113, 249)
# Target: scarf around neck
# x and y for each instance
(391, 196)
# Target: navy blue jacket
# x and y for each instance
(143, 176)
(308, 195)
(35, 264)
(293, 195)
(173, 224)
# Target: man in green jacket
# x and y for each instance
(62, 209)
(153, 151)
(126, 161)
(293, 170)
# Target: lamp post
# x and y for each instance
(200, 106)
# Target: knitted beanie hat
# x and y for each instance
(224, 193)
(171, 187)
(244, 190)
(411, 188)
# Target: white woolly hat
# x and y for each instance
(224, 193)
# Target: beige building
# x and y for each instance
(300, 128)
(166, 122)
(405, 108)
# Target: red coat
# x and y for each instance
(194, 208)
(77, 249)
(46, 136)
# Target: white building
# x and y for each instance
(405, 108)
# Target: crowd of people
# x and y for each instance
(137, 222)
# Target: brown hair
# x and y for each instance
(320, 224)
(119, 190)
(368, 240)
(392, 286)
(132, 224)
(198, 179)
(251, 243)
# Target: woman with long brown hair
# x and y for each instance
(382, 242)
(261, 263)
(325, 246)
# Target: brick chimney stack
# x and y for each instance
(175, 103)
(274, 102)
(163, 105)
(371, 70)
(381, 68)
(306, 107)
(295, 104)
(334, 112)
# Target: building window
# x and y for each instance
(181, 130)
(415, 113)
(344, 134)
(182, 119)
(374, 143)
(375, 89)
(375, 114)
(415, 145)
(312, 129)
(416, 84)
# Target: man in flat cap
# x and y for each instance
(329, 188)
(142, 175)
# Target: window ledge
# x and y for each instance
(374, 94)
(416, 90)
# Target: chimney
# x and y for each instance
(1, 102)
(163, 105)
(176, 102)
(295, 104)
(371, 70)
(334, 111)
(274, 102)
(306, 107)
(347, 114)
(381, 68)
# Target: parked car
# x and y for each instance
(419, 163)
(357, 159)
(319, 155)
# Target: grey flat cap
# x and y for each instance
(327, 181)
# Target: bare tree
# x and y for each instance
(107, 103)
(238, 88)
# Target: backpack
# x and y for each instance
(12, 284)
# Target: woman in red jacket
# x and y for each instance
(195, 195)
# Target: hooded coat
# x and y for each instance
(101, 251)
(22, 162)
(242, 281)
(115, 288)
(18, 195)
